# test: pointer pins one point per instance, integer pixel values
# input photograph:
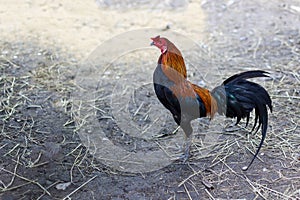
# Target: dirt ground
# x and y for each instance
(44, 43)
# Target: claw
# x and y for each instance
(184, 158)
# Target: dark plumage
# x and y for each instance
(242, 96)
(235, 98)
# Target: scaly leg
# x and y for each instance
(186, 149)
(188, 130)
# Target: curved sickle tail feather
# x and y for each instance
(237, 97)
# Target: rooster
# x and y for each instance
(235, 98)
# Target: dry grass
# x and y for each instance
(27, 145)
(218, 163)
(280, 155)
(23, 141)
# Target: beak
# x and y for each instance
(152, 43)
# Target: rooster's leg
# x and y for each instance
(188, 141)
(186, 149)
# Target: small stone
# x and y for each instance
(265, 169)
(62, 186)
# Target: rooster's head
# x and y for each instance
(161, 43)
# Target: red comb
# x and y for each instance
(155, 38)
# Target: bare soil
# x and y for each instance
(42, 156)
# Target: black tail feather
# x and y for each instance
(246, 75)
(255, 122)
(264, 121)
(248, 118)
(237, 98)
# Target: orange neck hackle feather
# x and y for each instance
(173, 66)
